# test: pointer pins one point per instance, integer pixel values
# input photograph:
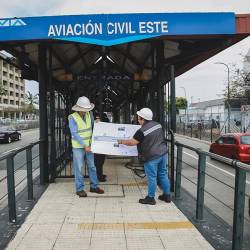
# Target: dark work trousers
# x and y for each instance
(99, 161)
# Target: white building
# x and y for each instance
(210, 110)
(10, 78)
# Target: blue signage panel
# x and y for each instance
(111, 29)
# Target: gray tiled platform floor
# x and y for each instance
(60, 220)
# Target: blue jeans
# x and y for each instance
(154, 168)
(78, 162)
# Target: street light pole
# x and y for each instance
(186, 109)
(228, 95)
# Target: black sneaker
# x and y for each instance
(165, 197)
(81, 193)
(148, 200)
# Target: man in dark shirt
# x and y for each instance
(100, 158)
(152, 150)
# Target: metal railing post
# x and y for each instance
(239, 205)
(11, 188)
(200, 186)
(178, 172)
(211, 132)
(29, 172)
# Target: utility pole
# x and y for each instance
(186, 108)
(228, 96)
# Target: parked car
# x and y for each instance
(8, 134)
(235, 146)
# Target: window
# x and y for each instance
(21, 87)
(21, 95)
(12, 102)
(17, 95)
(17, 86)
(5, 83)
(245, 139)
(17, 103)
(231, 140)
(5, 101)
(11, 93)
(221, 140)
(11, 84)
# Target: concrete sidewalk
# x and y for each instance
(115, 220)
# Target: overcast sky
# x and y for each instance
(205, 82)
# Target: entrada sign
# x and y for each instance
(102, 77)
(112, 29)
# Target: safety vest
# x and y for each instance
(84, 129)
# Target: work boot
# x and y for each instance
(148, 200)
(96, 190)
(165, 197)
(81, 193)
(102, 178)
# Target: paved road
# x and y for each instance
(219, 183)
(27, 137)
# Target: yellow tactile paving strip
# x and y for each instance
(135, 184)
(122, 226)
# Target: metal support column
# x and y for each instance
(160, 92)
(52, 122)
(172, 125)
(43, 120)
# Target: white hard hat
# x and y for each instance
(145, 113)
(83, 104)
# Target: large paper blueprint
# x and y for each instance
(105, 136)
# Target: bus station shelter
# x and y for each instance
(122, 62)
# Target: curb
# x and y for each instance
(194, 139)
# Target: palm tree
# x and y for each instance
(30, 100)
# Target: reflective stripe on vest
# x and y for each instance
(158, 126)
(84, 129)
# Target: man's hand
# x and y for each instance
(87, 149)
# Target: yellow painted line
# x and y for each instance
(129, 226)
(159, 225)
(135, 184)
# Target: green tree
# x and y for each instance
(180, 102)
(30, 100)
(239, 84)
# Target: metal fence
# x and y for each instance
(207, 130)
(20, 124)
(231, 195)
(18, 169)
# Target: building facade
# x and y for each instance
(11, 104)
